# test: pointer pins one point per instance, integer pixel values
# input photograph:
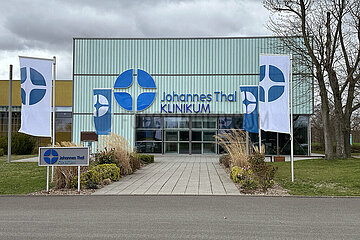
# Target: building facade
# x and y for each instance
(173, 95)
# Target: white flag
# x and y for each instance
(274, 93)
(36, 96)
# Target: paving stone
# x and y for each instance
(176, 175)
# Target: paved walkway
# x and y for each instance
(32, 159)
(176, 175)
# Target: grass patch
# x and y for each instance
(21, 178)
(320, 177)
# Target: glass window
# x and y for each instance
(148, 122)
(196, 136)
(226, 123)
(196, 124)
(196, 148)
(148, 147)
(171, 135)
(184, 135)
(210, 122)
(184, 148)
(230, 122)
(63, 121)
(209, 148)
(148, 135)
(209, 135)
(269, 139)
(171, 148)
(176, 122)
(300, 137)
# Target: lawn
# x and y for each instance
(319, 177)
(21, 178)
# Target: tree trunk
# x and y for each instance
(329, 151)
(340, 139)
(325, 115)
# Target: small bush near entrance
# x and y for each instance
(97, 175)
(2, 152)
(110, 171)
(145, 157)
(264, 173)
(106, 157)
(245, 177)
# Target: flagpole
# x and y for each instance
(291, 121)
(54, 107)
(259, 120)
(10, 113)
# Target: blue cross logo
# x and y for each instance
(51, 156)
(125, 81)
(249, 102)
(101, 106)
(273, 83)
(33, 89)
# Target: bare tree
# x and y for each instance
(330, 31)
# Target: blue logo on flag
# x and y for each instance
(274, 83)
(51, 156)
(102, 111)
(249, 95)
(144, 80)
(37, 88)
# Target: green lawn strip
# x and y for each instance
(21, 177)
(319, 177)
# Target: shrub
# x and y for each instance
(355, 148)
(3, 144)
(145, 157)
(233, 142)
(91, 179)
(97, 175)
(2, 152)
(225, 160)
(106, 157)
(245, 177)
(110, 171)
(22, 144)
(264, 172)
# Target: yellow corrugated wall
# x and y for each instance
(63, 93)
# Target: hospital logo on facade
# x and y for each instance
(125, 81)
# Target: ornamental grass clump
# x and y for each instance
(63, 176)
(233, 141)
(121, 150)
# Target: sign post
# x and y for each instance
(10, 113)
(63, 156)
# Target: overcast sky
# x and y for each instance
(45, 28)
